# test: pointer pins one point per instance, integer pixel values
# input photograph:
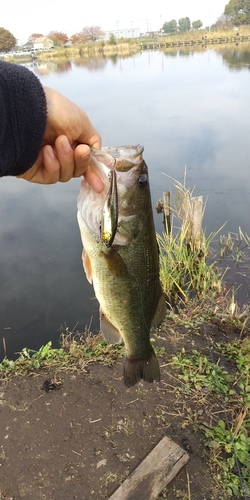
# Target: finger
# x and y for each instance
(96, 141)
(65, 155)
(90, 136)
(49, 172)
(82, 156)
(83, 167)
(46, 169)
(93, 179)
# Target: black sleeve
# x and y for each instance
(22, 118)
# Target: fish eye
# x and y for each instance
(143, 181)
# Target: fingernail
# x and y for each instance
(85, 156)
(66, 146)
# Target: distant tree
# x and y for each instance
(92, 33)
(56, 42)
(7, 40)
(33, 37)
(223, 23)
(223, 19)
(170, 26)
(58, 37)
(112, 39)
(239, 11)
(184, 24)
(77, 37)
(232, 7)
(197, 24)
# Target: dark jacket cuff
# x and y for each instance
(22, 118)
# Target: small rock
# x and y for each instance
(101, 462)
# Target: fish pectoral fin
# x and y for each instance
(160, 312)
(87, 266)
(137, 368)
(109, 331)
(114, 262)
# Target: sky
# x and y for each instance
(22, 18)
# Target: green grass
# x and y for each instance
(191, 263)
(184, 273)
(184, 267)
(210, 385)
(75, 353)
(200, 374)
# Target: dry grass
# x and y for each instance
(210, 35)
(91, 50)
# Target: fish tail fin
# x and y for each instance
(136, 368)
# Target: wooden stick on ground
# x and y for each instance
(153, 474)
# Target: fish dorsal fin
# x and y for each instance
(109, 331)
(87, 266)
(160, 312)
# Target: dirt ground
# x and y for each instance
(82, 439)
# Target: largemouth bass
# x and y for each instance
(121, 257)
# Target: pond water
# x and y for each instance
(186, 107)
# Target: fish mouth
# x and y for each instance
(126, 157)
(119, 168)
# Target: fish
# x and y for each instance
(121, 256)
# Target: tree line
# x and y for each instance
(236, 12)
(88, 33)
(183, 25)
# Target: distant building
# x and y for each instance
(126, 33)
(27, 46)
(44, 42)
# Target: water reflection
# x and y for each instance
(237, 58)
(91, 64)
(42, 68)
(184, 53)
(114, 59)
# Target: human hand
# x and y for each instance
(62, 157)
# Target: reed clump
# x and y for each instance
(91, 49)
